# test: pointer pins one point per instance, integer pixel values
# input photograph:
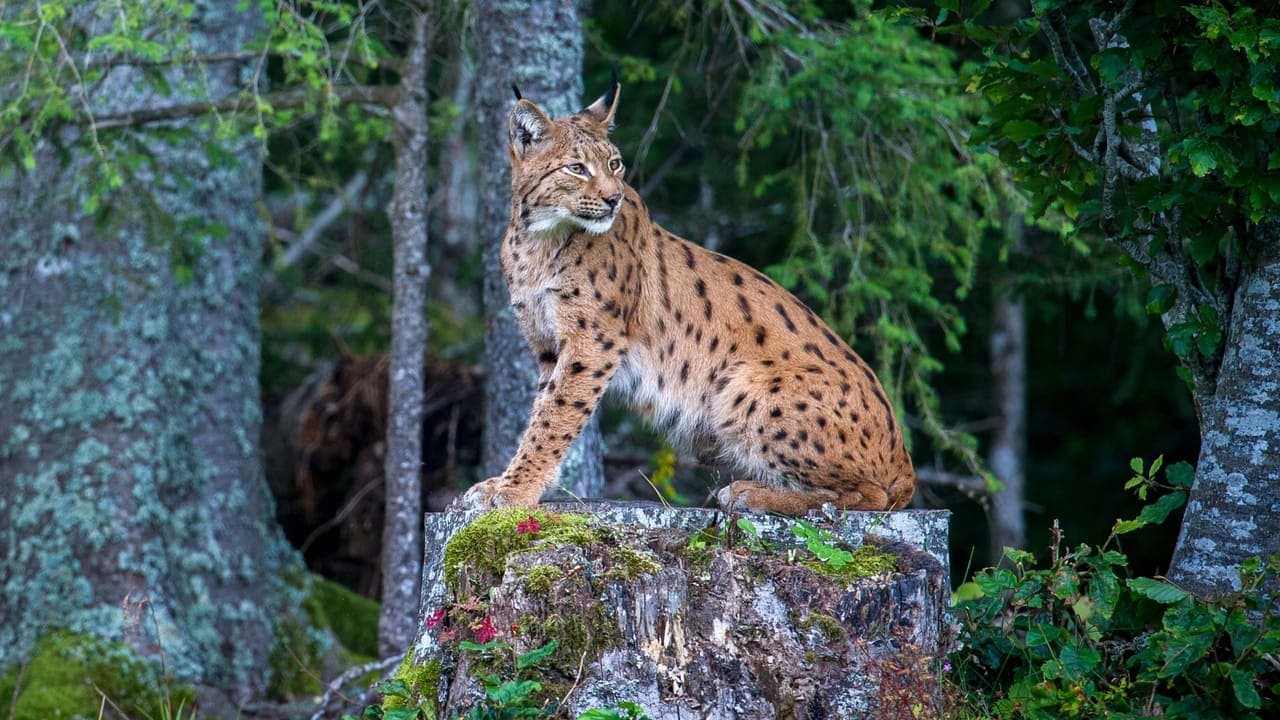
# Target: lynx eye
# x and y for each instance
(615, 164)
(577, 169)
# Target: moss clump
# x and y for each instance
(539, 578)
(483, 546)
(352, 618)
(698, 551)
(413, 686)
(67, 676)
(830, 627)
(304, 648)
(631, 562)
(586, 634)
(866, 561)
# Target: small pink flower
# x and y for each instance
(529, 525)
(435, 618)
(946, 667)
(486, 631)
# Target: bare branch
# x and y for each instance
(306, 241)
(335, 686)
(285, 99)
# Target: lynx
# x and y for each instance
(712, 352)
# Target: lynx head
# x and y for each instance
(565, 173)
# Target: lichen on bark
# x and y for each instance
(135, 508)
(679, 611)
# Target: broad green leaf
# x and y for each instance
(1157, 590)
(393, 686)
(1160, 298)
(536, 656)
(1245, 689)
(1078, 661)
(966, 591)
(1158, 511)
(1180, 474)
(1127, 526)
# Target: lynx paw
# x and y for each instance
(748, 496)
(494, 493)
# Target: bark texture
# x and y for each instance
(1008, 442)
(401, 533)
(538, 46)
(133, 504)
(723, 629)
(1234, 509)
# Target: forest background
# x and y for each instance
(220, 212)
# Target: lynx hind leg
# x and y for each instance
(753, 496)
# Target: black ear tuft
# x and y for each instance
(613, 85)
(603, 109)
(515, 89)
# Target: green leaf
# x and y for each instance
(966, 591)
(1158, 511)
(393, 686)
(402, 713)
(510, 693)
(1157, 590)
(1079, 661)
(1202, 160)
(1136, 465)
(490, 646)
(1160, 298)
(1019, 130)
(1127, 526)
(533, 657)
(1246, 690)
(1180, 474)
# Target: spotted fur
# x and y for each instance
(713, 352)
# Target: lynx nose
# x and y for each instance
(613, 200)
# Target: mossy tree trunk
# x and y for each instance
(133, 504)
(537, 46)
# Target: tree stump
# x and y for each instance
(688, 613)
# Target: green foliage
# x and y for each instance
(513, 689)
(853, 185)
(862, 561)
(890, 208)
(1155, 125)
(1075, 638)
(68, 675)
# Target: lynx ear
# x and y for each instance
(529, 127)
(602, 110)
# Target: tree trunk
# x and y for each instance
(402, 529)
(134, 505)
(1234, 508)
(679, 611)
(1008, 442)
(548, 71)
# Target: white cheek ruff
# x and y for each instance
(598, 226)
(547, 219)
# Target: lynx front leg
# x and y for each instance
(564, 403)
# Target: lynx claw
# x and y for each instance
(481, 496)
(732, 499)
